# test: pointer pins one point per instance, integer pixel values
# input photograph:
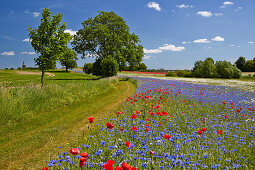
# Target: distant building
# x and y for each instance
(23, 65)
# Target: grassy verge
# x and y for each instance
(35, 121)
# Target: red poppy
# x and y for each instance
(138, 112)
(134, 128)
(45, 168)
(226, 116)
(133, 116)
(238, 111)
(146, 129)
(118, 168)
(199, 132)
(91, 119)
(82, 161)
(74, 151)
(110, 125)
(152, 152)
(108, 166)
(220, 132)
(121, 129)
(224, 102)
(125, 166)
(203, 129)
(166, 136)
(127, 143)
(84, 154)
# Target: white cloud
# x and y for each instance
(239, 8)
(251, 42)
(203, 40)
(204, 13)
(223, 6)
(8, 53)
(152, 51)
(218, 38)
(27, 40)
(171, 47)
(218, 14)
(36, 14)
(70, 31)
(228, 3)
(184, 42)
(30, 53)
(184, 6)
(147, 57)
(154, 5)
(231, 45)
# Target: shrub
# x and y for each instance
(171, 74)
(87, 68)
(105, 67)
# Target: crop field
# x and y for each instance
(169, 124)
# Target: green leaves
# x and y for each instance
(108, 35)
(49, 39)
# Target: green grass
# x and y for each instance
(31, 116)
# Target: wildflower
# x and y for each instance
(166, 136)
(133, 116)
(219, 132)
(82, 161)
(125, 166)
(127, 143)
(134, 128)
(110, 125)
(146, 129)
(121, 129)
(74, 151)
(45, 168)
(108, 166)
(200, 132)
(203, 129)
(91, 119)
(152, 152)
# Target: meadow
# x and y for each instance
(34, 120)
(169, 124)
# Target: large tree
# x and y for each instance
(68, 59)
(108, 36)
(48, 40)
(240, 63)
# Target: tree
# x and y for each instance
(87, 68)
(248, 66)
(68, 59)
(108, 35)
(48, 40)
(209, 68)
(240, 63)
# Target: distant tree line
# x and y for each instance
(245, 66)
(210, 69)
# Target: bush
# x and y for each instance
(171, 74)
(109, 66)
(87, 68)
(105, 67)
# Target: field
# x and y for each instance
(35, 121)
(169, 124)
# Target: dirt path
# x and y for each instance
(34, 158)
(34, 73)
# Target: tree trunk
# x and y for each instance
(66, 69)
(42, 78)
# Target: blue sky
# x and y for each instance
(174, 33)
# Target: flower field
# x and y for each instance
(170, 124)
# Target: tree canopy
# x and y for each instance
(48, 40)
(68, 58)
(108, 36)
